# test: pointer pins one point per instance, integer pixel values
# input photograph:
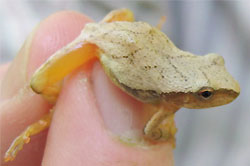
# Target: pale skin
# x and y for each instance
(165, 100)
(18, 110)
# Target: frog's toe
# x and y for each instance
(24, 138)
(155, 134)
(161, 127)
(16, 146)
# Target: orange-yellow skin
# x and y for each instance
(82, 55)
(55, 72)
(47, 79)
(58, 68)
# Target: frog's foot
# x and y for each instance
(161, 22)
(161, 127)
(119, 15)
(168, 129)
(24, 138)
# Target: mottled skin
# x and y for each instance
(142, 61)
(148, 63)
(148, 66)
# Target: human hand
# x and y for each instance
(88, 107)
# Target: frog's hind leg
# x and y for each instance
(161, 127)
(119, 15)
(24, 138)
(161, 22)
(47, 79)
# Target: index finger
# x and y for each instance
(19, 105)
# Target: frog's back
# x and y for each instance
(133, 52)
(141, 57)
(129, 37)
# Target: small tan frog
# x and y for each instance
(143, 62)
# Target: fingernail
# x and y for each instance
(123, 115)
(16, 76)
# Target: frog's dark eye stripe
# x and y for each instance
(206, 93)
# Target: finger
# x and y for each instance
(19, 105)
(50, 35)
(90, 117)
(3, 69)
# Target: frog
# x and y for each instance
(144, 63)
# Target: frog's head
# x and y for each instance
(217, 88)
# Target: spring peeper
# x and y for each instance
(144, 63)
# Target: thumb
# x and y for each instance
(91, 116)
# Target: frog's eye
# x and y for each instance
(205, 93)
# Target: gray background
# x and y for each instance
(212, 137)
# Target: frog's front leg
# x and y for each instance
(161, 126)
(24, 138)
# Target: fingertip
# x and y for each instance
(52, 34)
(49, 36)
